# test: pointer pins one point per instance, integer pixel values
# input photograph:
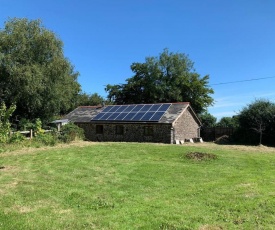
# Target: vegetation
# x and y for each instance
(5, 125)
(207, 120)
(257, 123)
(71, 132)
(137, 186)
(230, 122)
(168, 78)
(84, 99)
(35, 75)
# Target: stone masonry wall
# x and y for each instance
(133, 132)
(186, 127)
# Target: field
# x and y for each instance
(138, 186)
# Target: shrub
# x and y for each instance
(46, 138)
(17, 137)
(5, 125)
(71, 132)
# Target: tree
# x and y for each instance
(84, 99)
(168, 78)
(34, 74)
(230, 122)
(207, 120)
(257, 122)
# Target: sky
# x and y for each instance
(232, 41)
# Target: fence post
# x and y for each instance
(31, 134)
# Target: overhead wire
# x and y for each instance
(231, 82)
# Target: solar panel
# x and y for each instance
(106, 109)
(128, 117)
(147, 116)
(137, 108)
(112, 116)
(155, 107)
(164, 107)
(138, 116)
(148, 112)
(114, 108)
(145, 108)
(157, 116)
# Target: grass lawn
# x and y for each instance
(137, 186)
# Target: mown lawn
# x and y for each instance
(137, 186)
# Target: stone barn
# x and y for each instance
(160, 123)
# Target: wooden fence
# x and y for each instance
(211, 134)
(29, 134)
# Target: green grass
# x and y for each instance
(137, 186)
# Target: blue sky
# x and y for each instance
(229, 40)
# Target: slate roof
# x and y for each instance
(83, 113)
(173, 112)
(86, 113)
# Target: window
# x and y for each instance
(99, 129)
(148, 131)
(119, 130)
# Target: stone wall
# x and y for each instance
(186, 127)
(132, 132)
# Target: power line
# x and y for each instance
(231, 82)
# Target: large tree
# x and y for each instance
(84, 99)
(34, 74)
(207, 120)
(171, 77)
(257, 122)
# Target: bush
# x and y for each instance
(46, 138)
(71, 132)
(17, 137)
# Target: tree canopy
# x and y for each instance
(257, 122)
(230, 122)
(207, 120)
(170, 77)
(34, 74)
(84, 99)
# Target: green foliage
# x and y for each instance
(257, 123)
(71, 132)
(48, 139)
(84, 99)
(5, 125)
(208, 120)
(17, 137)
(230, 122)
(168, 78)
(38, 127)
(35, 75)
(25, 124)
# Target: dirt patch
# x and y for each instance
(223, 140)
(198, 156)
(210, 227)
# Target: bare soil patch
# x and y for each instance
(198, 156)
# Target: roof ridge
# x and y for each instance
(89, 106)
(147, 104)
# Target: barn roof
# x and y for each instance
(85, 114)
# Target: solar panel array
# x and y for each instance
(148, 112)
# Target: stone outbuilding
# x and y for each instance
(175, 124)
